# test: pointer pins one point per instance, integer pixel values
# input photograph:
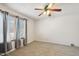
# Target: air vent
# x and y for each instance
(72, 44)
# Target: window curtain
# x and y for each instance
(25, 33)
(4, 45)
(17, 41)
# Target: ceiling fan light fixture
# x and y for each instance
(44, 13)
(48, 12)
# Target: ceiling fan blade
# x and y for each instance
(50, 5)
(55, 10)
(38, 9)
(40, 14)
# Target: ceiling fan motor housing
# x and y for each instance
(46, 8)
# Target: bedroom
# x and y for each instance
(23, 29)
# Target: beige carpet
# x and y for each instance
(37, 48)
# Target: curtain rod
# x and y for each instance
(13, 15)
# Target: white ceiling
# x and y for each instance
(28, 9)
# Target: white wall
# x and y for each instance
(60, 28)
(30, 31)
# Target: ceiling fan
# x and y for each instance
(48, 9)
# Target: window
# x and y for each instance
(22, 28)
(11, 28)
(1, 28)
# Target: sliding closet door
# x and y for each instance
(1, 33)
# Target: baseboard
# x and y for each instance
(28, 42)
(56, 43)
